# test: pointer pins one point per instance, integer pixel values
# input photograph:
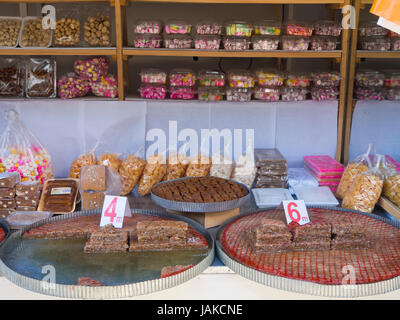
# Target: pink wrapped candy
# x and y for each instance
(92, 68)
(148, 27)
(324, 93)
(153, 91)
(298, 29)
(178, 41)
(393, 80)
(184, 93)
(327, 28)
(148, 41)
(323, 43)
(395, 44)
(211, 79)
(370, 93)
(71, 86)
(153, 76)
(207, 42)
(265, 43)
(266, 93)
(238, 94)
(295, 43)
(182, 78)
(235, 43)
(107, 87)
(393, 94)
(376, 43)
(293, 94)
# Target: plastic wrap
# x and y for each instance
(297, 28)
(151, 75)
(222, 166)
(97, 30)
(324, 93)
(72, 86)
(210, 93)
(295, 43)
(130, 171)
(211, 78)
(238, 28)
(178, 41)
(323, 43)
(245, 170)
(41, 78)
(106, 86)
(241, 79)
(12, 77)
(327, 28)
(178, 26)
(68, 31)
(92, 68)
(148, 26)
(267, 27)
(33, 34)
(199, 166)
(232, 43)
(294, 94)
(148, 41)
(266, 93)
(269, 78)
(9, 31)
(326, 79)
(153, 91)
(265, 43)
(208, 27)
(22, 152)
(375, 43)
(22, 219)
(238, 94)
(207, 42)
(359, 165)
(153, 173)
(391, 187)
(182, 78)
(365, 190)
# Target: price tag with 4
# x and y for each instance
(114, 210)
(296, 211)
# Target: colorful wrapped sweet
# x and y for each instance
(232, 43)
(326, 79)
(208, 27)
(210, 93)
(393, 94)
(72, 86)
(148, 27)
(269, 78)
(147, 41)
(238, 28)
(370, 93)
(267, 27)
(392, 79)
(295, 28)
(392, 34)
(375, 43)
(152, 75)
(238, 94)
(182, 78)
(153, 91)
(395, 44)
(295, 43)
(323, 43)
(368, 28)
(178, 41)
(324, 93)
(293, 94)
(302, 80)
(370, 78)
(106, 87)
(207, 42)
(241, 79)
(92, 68)
(265, 43)
(266, 93)
(211, 78)
(178, 26)
(327, 28)
(182, 93)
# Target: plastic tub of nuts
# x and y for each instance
(68, 32)
(368, 28)
(207, 42)
(232, 43)
(295, 43)
(33, 34)
(208, 27)
(375, 43)
(210, 93)
(211, 79)
(147, 26)
(178, 41)
(323, 43)
(10, 28)
(12, 77)
(266, 93)
(238, 94)
(327, 28)
(294, 94)
(370, 78)
(97, 30)
(267, 27)
(265, 43)
(268, 78)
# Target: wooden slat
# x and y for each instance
(58, 51)
(378, 54)
(119, 43)
(248, 1)
(52, 1)
(389, 207)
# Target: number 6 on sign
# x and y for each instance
(296, 211)
(114, 210)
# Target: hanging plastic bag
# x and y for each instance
(177, 164)
(22, 152)
(111, 160)
(366, 188)
(86, 159)
(199, 166)
(153, 173)
(391, 184)
(359, 165)
(131, 170)
(222, 166)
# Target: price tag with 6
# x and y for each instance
(114, 210)
(296, 211)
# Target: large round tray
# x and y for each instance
(199, 207)
(142, 269)
(284, 273)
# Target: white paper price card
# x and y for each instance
(114, 210)
(296, 211)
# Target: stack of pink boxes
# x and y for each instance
(325, 169)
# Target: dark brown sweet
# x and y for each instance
(27, 188)
(106, 240)
(26, 201)
(93, 178)
(92, 200)
(9, 179)
(25, 208)
(59, 195)
(7, 193)
(7, 203)
(162, 231)
(4, 213)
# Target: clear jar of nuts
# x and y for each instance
(33, 34)
(9, 31)
(68, 32)
(98, 31)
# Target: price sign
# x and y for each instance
(296, 211)
(114, 210)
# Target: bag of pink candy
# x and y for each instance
(22, 152)
(72, 86)
(106, 86)
(92, 68)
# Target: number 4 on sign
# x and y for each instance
(114, 210)
(296, 211)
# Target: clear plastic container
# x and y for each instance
(10, 28)
(33, 34)
(370, 78)
(302, 80)
(183, 93)
(392, 79)
(97, 30)
(152, 75)
(370, 93)
(208, 27)
(327, 28)
(178, 41)
(265, 43)
(211, 78)
(182, 78)
(395, 44)
(368, 28)
(238, 28)
(326, 79)
(241, 79)
(266, 93)
(298, 28)
(207, 42)
(324, 93)
(68, 31)
(148, 26)
(268, 78)
(295, 43)
(293, 94)
(178, 26)
(12, 77)
(210, 93)
(323, 43)
(393, 94)
(238, 94)
(153, 91)
(375, 43)
(267, 27)
(147, 41)
(236, 43)
(41, 78)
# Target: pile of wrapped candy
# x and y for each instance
(376, 85)
(376, 38)
(90, 75)
(325, 86)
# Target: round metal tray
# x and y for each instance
(122, 274)
(304, 286)
(199, 207)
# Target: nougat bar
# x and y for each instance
(27, 188)
(7, 203)
(92, 200)
(93, 178)
(9, 179)
(161, 230)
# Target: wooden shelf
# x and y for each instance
(52, 1)
(58, 51)
(248, 1)
(378, 54)
(390, 207)
(367, 1)
(231, 54)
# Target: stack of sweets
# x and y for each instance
(272, 170)
(370, 85)
(392, 85)
(325, 86)
(349, 234)
(325, 169)
(8, 181)
(182, 82)
(153, 84)
(211, 85)
(27, 195)
(311, 236)
(108, 239)
(93, 186)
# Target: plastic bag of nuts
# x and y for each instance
(177, 164)
(68, 32)
(12, 77)
(222, 166)
(199, 166)
(9, 31)
(391, 187)
(359, 165)
(41, 78)
(111, 160)
(97, 30)
(33, 34)
(153, 173)
(130, 171)
(366, 189)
